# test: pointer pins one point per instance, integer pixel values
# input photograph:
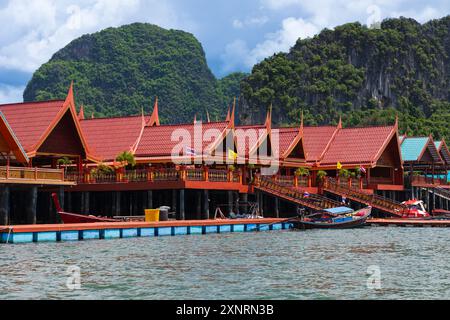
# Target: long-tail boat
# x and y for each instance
(334, 218)
(69, 218)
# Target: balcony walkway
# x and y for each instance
(33, 176)
(161, 179)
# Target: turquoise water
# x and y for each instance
(413, 264)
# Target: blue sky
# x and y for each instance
(235, 34)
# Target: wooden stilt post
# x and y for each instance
(174, 200)
(30, 205)
(198, 209)
(277, 207)
(205, 215)
(4, 205)
(230, 201)
(182, 215)
(149, 199)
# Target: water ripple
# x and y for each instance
(273, 265)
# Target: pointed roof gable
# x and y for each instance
(9, 142)
(443, 150)
(416, 149)
(316, 141)
(264, 137)
(353, 146)
(33, 122)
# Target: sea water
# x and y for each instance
(369, 263)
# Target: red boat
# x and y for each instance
(414, 209)
(69, 218)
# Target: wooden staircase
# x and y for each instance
(375, 201)
(443, 193)
(294, 195)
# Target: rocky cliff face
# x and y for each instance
(358, 72)
(119, 71)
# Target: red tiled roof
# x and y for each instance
(316, 140)
(108, 137)
(30, 120)
(356, 145)
(158, 142)
(286, 137)
(248, 137)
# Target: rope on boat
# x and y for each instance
(9, 233)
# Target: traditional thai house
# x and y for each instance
(422, 160)
(197, 167)
(38, 143)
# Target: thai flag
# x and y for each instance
(306, 194)
(362, 170)
(190, 152)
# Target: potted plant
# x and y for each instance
(126, 158)
(302, 172)
(64, 162)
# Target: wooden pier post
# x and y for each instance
(69, 202)
(198, 206)
(30, 205)
(277, 207)
(182, 215)
(174, 200)
(230, 201)
(236, 196)
(85, 202)
(205, 205)
(4, 205)
(149, 203)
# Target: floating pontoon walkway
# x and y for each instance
(409, 223)
(117, 230)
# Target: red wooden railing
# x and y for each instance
(271, 186)
(358, 195)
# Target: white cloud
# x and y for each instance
(33, 30)
(308, 18)
(9, 94)
(237, 53)
(250, 22)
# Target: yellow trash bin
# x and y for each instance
(151, 215)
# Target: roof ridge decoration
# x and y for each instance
(81, 113)
(208, 118)
(298, 139)
(302, 124)
(336, 131)
(228, 118)
(233, 115)
(267, 133)
(154, 119)
(135, 145)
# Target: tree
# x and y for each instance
(128, 158)
(302, 172)
(64, 162)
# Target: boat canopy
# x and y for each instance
(339, 210)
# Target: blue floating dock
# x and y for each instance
(107, 231)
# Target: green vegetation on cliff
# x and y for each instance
(119, 71)
(366, 75)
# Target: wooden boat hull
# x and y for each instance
(69, 218)
(358, 222)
